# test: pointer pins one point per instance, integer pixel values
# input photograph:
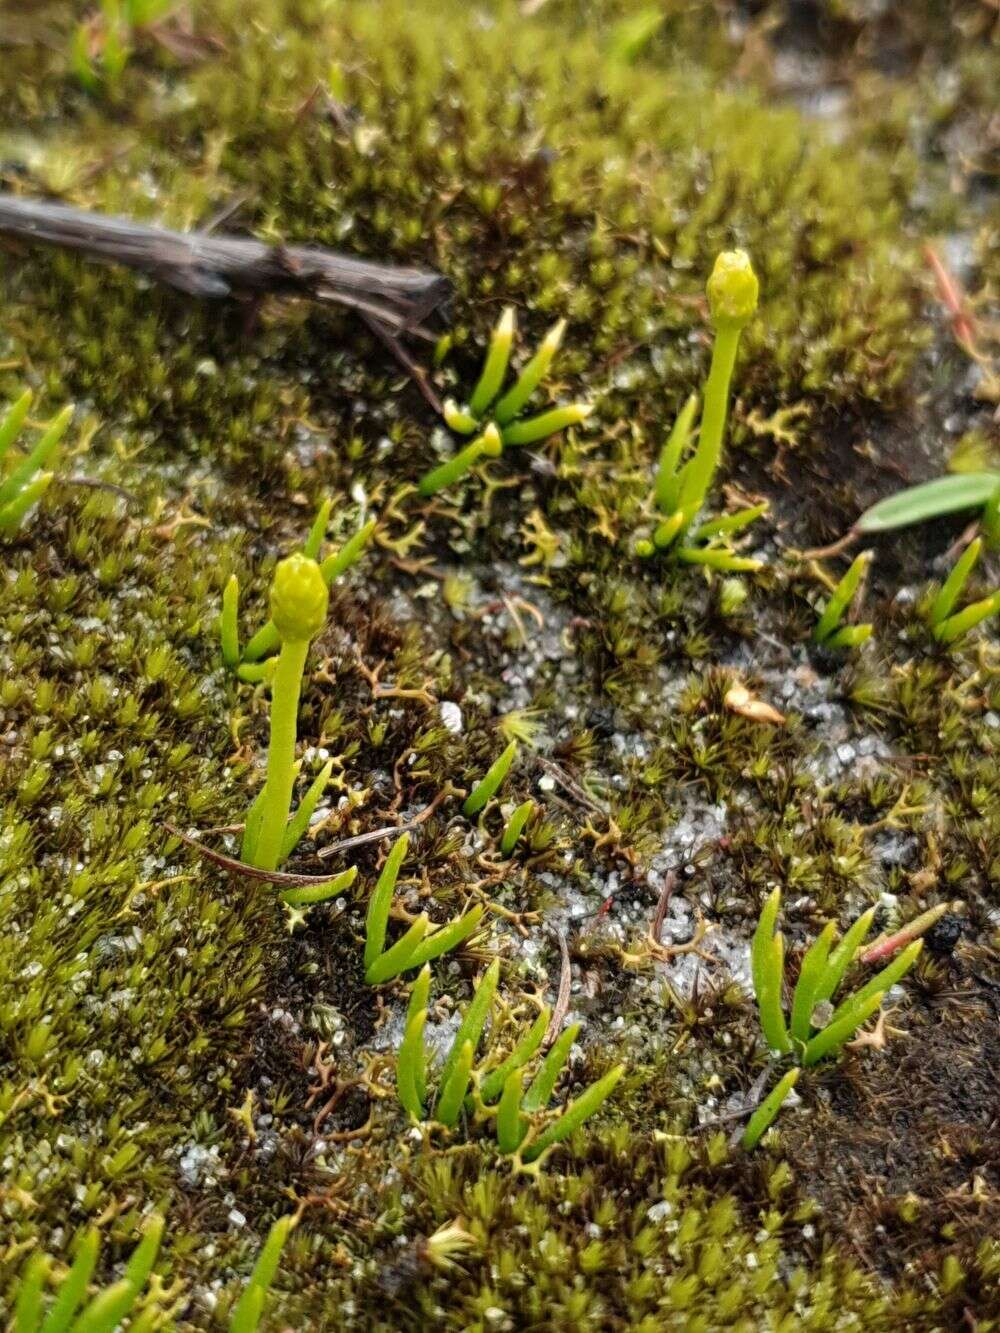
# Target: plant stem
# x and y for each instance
(277, 799)
(698, 474)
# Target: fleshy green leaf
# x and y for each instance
(575, 1114)
(543, 1084)
(380, 903)
(943, 495)
(511, 1126)
(764, 1115)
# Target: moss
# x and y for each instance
(165, 1040)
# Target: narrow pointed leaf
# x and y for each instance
(411, 1083)
(74, 1285)
(474, 1019)
(943, 495)
(13, 512)
(882, 980)
(510, 1123)
(543, 1084)
(841, 957)
(246, 1315)
(28, 1306)
(108, 1308)
(762, 1118)
(515, 827)
(299, 822)
(380, 903)
(492, 1085)
(13, 420)
(730, 523)
(545, 424)
(666, 488)
(311, 894)
(952, 629)
(454, 1088)
(397, 959)
(810, 974)
(495, 365)
(841, 1029)
(952, 587)
(485, 790)
(531, 376)
(840, 598)
(576, 1113)
(448, 937)
(251, 828)
(38, 456)
(317, 532)
(761, 944)
(229, 623)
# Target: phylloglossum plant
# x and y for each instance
(106, 1310)
(804, 1035)
(24, 483)
(830, 631)
(948, 625)
(251, 662)
(494, 1090)
(298, 610)
(495, 421)
(683, 478)
(423, 941)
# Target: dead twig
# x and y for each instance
(562, 996)
(215, 266)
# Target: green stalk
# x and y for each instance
(575, 1114)
(764, 1115)
(488, 444)
(380, 903)
(277, 795)
(955, 626)
(698, 474)
(666, 488)
(531, 376)
(545, 424)
(510, 1123)
(810, 974)
(38, 457)
(515, 827)
(543, 1084)
(839, 1030)
(311, 894)
(486, 789)
(229, 623)
(952, 587)
(495, 365)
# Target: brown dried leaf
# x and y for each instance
(739, 700)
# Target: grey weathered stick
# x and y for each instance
(218, 265)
